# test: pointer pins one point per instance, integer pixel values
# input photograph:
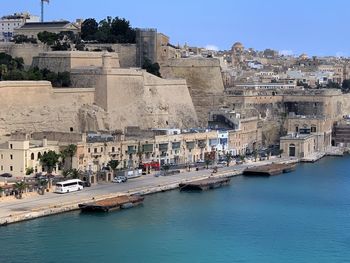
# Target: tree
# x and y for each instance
(207, 160)
(20, 187)
(70, 151)
(280, 151)
(255, 154)
(29, 170)
(42, 186)
(151, 68)
(113, 164)
(89, 28)
(1, 191)
(346, 85)
(48, 38)
(75, 173)
(49, 160)
(18, 39)
(165, 168)
(229, 158)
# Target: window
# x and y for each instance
(88, 150)
(313, 128)
(11, 146)
(32, 156)
(296, 128)
(11, 168)
(101, 149)
(2, 168)
(113, 149)
(39, 155)
(11, 156)
(71, 129)
(95, 150)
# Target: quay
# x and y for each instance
(32, 207)
(204, 184)
(114, 203)
(270, 169)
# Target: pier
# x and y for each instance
(115, 203)
(269, 169)
(204, 184)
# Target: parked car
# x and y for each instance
(120, 179)
(6, 175)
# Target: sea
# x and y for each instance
(302, 216)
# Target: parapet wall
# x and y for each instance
(35, 106)
(26, 51)
(59, 61)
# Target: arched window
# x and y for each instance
(39, 155)
(113, 149)
(32, 156)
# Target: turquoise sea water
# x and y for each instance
(303, 216)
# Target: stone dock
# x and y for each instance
(74, 205)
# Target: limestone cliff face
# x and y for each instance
(203, 76)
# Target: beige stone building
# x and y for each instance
(247, 138)
(32, 29)
(16, 156)
(184, 148)
(319, 127)
(298, 145)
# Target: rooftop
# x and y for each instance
(297, 136)
(45, 24)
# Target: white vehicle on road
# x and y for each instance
(69, 186)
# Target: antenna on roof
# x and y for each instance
(42, 9)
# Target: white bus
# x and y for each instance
(69, 186)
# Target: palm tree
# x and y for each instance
(207, 160)
(229, 158)
(165, 168)
(113, 164)
(20, 187)
(42, 186)
(70, 151)
(29, 170)
(280, 152)
(255, 154)
(49, 160)
(75, 173)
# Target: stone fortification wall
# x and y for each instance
(25, 50)
(59, 61)
(204, 82)
(136, 98)
(30, 106)
(126, 52)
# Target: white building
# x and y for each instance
(9, 23)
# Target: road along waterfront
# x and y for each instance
(17, 210)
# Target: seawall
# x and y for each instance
(71, 206)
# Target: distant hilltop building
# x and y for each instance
(11, 22)
(31, 30)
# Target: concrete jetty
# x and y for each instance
(269, 169)
(204, 184)
(114, 203)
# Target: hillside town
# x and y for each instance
(77, 102)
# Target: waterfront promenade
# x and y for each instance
(14, 210)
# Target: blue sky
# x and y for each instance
(316, 27)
